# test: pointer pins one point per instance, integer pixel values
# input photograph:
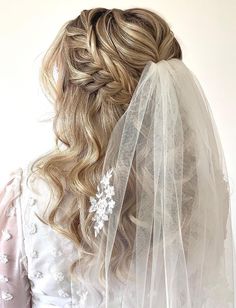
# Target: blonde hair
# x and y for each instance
(99, 57)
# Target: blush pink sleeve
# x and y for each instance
(14, 284)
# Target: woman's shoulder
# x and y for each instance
(16, 187)
(12, 183)
(10, 190)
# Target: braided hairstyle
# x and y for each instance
(98, 58)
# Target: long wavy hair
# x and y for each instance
(98, 57)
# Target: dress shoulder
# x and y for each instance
(14, 285)
(9, 191)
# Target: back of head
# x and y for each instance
(99, 57)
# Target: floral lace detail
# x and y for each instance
(32, 201)
(3, 278)
(6, 235)
(6, 296)
(82, 297)
(58, 276)
(34, 254)
(63, 293)
(11, 211)
(32, 228)
(38, 275)
(3, 258)
(104, 203)
(55, 252)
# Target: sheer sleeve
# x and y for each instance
(14, 284)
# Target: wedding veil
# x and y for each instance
(165, 155)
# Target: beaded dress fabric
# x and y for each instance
(34, 259)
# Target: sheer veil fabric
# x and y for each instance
(165, 156)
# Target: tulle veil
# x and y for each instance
(165, 150)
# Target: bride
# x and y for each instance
(131, 207)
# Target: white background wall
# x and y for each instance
(206, 31)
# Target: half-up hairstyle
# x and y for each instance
(99, 57)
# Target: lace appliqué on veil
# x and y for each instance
(104, 203)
